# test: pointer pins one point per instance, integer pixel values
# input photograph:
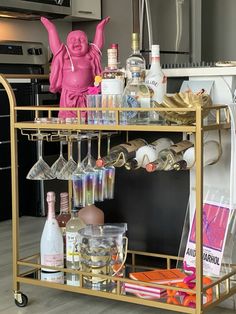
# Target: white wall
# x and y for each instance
(30, 30)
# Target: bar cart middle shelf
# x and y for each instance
(25, 269)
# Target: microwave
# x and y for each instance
(33, 9)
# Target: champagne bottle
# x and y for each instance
(156, 80)
(169, 159)
(136, 58)
(51, 245)
(72, 254)
(127, 149)
(64, 216)
(148, 153)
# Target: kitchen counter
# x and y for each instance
(200, 71)
(24, 78)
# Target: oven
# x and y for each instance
(33, 92)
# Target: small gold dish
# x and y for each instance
(184, 100)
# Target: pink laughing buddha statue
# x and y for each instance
(74, 65)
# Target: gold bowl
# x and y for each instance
(184, 100)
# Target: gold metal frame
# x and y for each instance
(32, 262)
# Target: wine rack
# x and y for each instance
(31, 264)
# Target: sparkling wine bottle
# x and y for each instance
(171, 158)
(72, 254)
(51, 245)
(148, 153)
(127, 150)
(91, 215)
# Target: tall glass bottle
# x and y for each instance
(156, 80)
(171, 158)
(135, 59)
(72, 254)
(51, 245)
(113, 78)
(136, 95)
(64, 216)
(126, 149)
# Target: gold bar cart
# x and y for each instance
(32, 262)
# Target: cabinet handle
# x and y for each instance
(5, 168)
(85, 12)
(5, 142)
(3, 90)
(5, 116)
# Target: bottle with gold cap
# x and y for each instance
(135, 59)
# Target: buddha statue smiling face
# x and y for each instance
(77, 43)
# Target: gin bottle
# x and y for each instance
(51, 245)
(72, 253)
(113, 78)
(136, 95)
(135, 59)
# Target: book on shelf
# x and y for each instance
(161, 276)
(145, 292)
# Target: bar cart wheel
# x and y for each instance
(21, 299)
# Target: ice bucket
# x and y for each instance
(103, 251)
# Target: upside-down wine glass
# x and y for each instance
(40, 170)
(60, 162)
(70, 166)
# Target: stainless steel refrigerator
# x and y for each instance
(167, 23)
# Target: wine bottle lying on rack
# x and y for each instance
(148, 153)
(170, 158)
(121, 153)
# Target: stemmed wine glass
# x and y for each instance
(70, 166)
(60, 162)
(78, 178)
(40, 170)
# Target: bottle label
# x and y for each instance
(57, 277)
(133, 145)
(72, 250)
(112, 86)
(181, 146)
(52, 260)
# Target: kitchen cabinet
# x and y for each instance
(85, 10)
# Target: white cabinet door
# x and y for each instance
(86, 9)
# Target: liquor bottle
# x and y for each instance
(211, 154)
(127, 150)
(156, 80)
(72, 254)
(113, 78)
(148, 153)
(136, 95)
(51, 245)
(64, 216)
(135, 59)
(167, 158)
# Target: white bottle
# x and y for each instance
(156, 79)
(51, 245)
(148, 153)
(211, 154)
